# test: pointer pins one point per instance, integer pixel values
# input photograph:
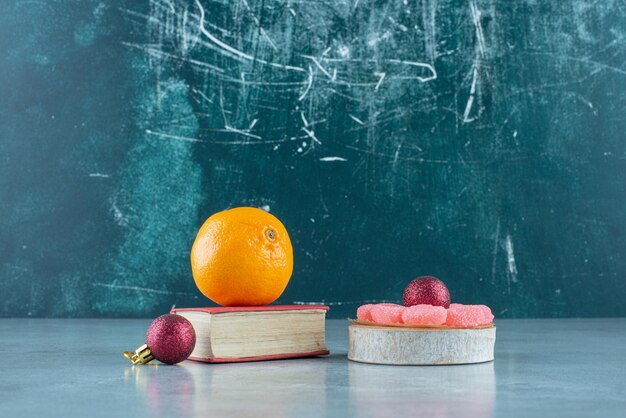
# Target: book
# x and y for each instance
(254, 333)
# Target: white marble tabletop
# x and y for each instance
(74, 367)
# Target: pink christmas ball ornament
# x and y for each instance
(171, 338)
(426, 290)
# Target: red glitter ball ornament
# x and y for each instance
(426, 290)
(171, 338)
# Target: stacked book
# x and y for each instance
(252, 333)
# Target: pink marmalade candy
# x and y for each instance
(468, 316)
(424, 315)
(364, 312)
(387, 313)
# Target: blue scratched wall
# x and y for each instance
(481, 141)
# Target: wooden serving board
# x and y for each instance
(420, 346)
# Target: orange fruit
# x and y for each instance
(242, 257)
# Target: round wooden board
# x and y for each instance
(420, 346)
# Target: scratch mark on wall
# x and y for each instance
(258, 24)
(396, 155)
(321, 68)
(495, 252)
(203, 95)
(357, 120)
(584, 60)
(333, 159)
(309, 82)
(175, 137)
(340, 303)
(429, 21)
(238, 131)
(311, 134)
(269, 40)
(380, 80)
(479, 29)
(398, 25)
(158, 53)
(470, 100)
(429, 67)
(382, 37)
(233, 51)
(392, 157)
(139, 289)
(384, 63)
(477, 64)
(510, 258)
(304, 119)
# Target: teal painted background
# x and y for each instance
(481, 141)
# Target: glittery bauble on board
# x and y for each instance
(426, 290)
(171, 338)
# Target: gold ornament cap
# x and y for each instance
(142, 355)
